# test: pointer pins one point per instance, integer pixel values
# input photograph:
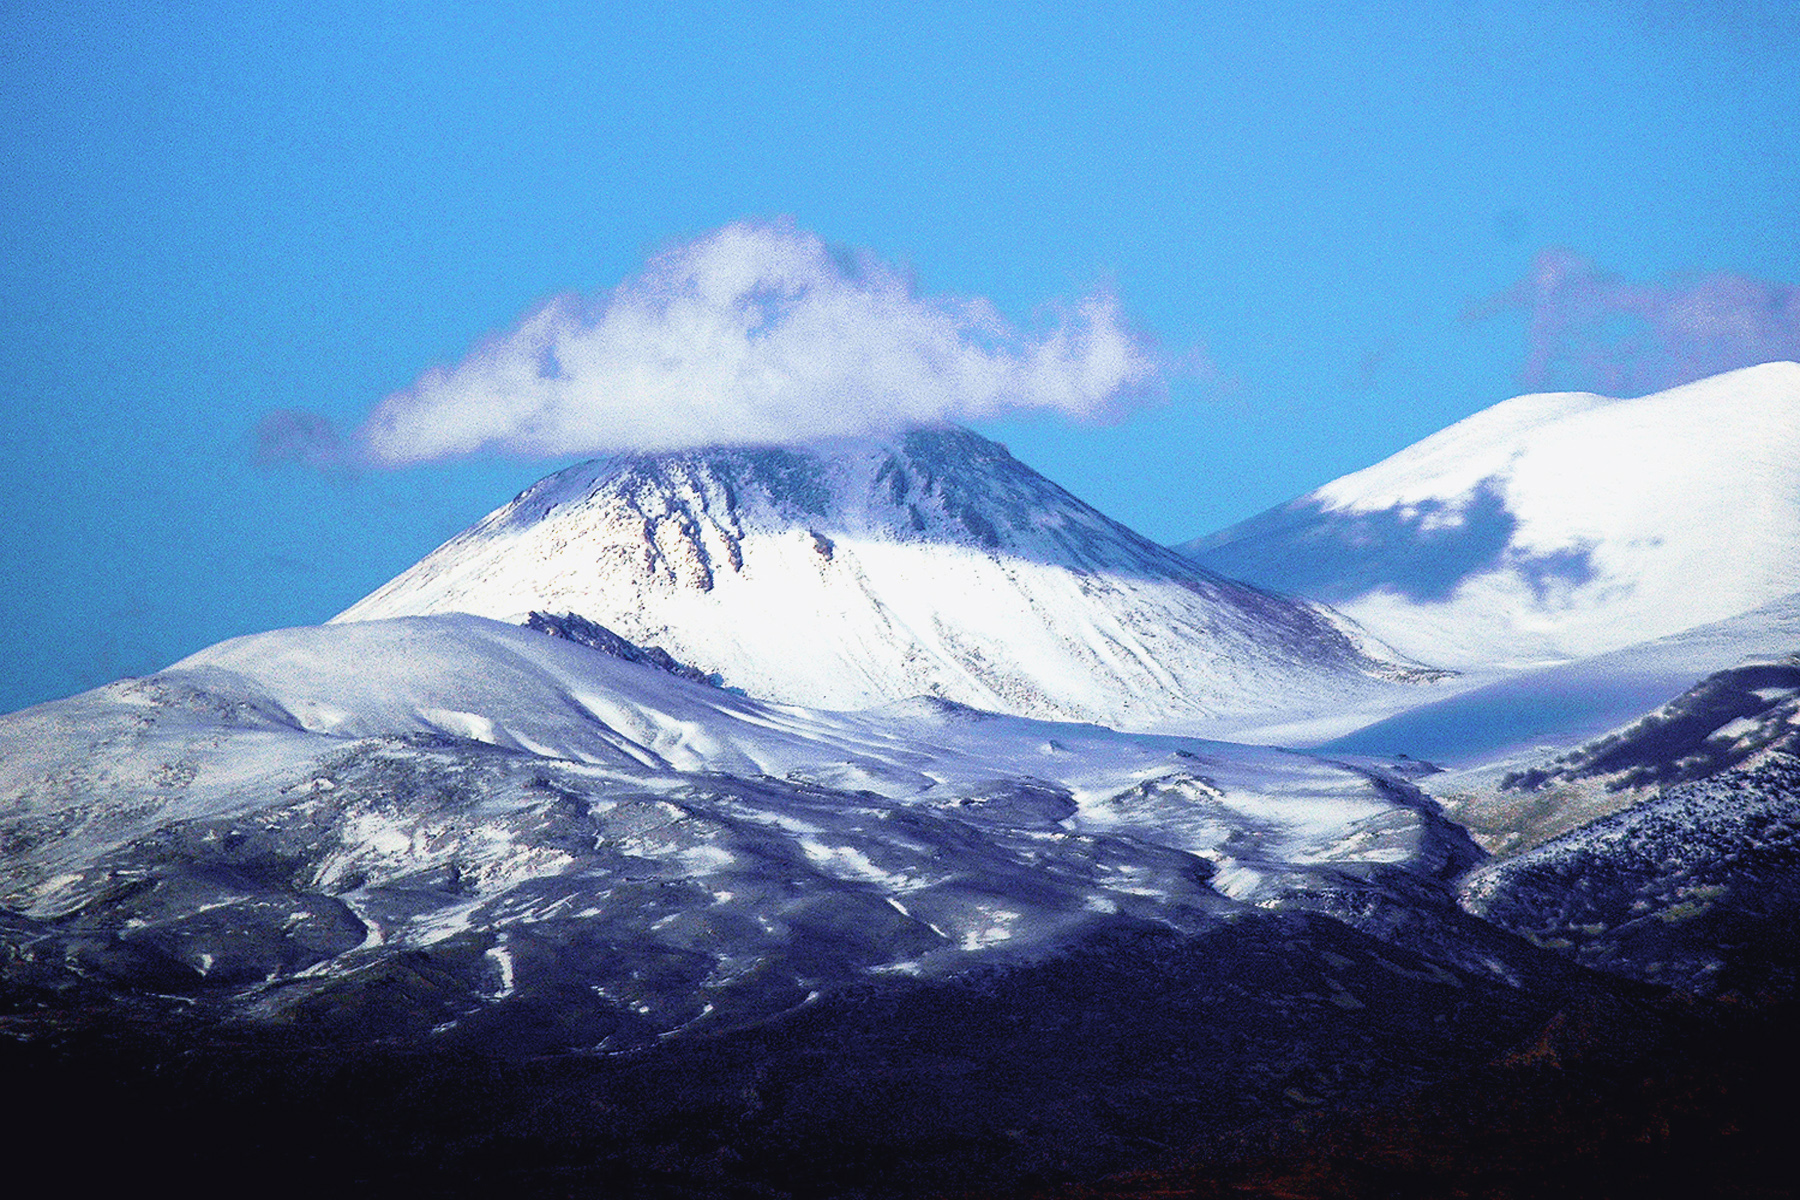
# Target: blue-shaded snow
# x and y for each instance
(1556, 706)
(1422, 551)
(1569, 703)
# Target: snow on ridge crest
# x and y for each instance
(1453, 461)
(938, 485)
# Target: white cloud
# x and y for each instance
(757, 333)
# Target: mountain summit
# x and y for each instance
(856, 572)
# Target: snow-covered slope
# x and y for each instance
(281, 812)
(855, 573)
(1529, 715)
(1731, 719)
(1728, 719)
(1552, 526)
(1535, 721)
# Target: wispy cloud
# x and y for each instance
(1760, 25)
(290, 435)
(755, 333)
(1590, 329)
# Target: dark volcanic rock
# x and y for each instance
(576, 628)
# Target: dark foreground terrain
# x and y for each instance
(1280, 1056)
(1696, 1101)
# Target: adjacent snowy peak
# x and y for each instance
(857, 572)
(1553, 526)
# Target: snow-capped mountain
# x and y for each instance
(1552, 526)
(535, 903)
(285, 816)
(855, 573)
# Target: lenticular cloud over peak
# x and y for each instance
(757, 332)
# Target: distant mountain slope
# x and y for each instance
(1731, 719)
(1722, 722)
(854, 573)
(1551, 526)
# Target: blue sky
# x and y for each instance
(216, 211)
